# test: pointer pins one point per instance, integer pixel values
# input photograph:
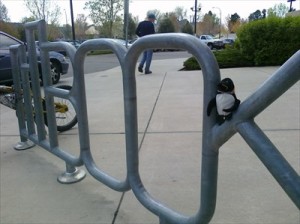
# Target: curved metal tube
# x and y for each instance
(211, 76)
(79, 94)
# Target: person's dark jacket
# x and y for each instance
(145, 28)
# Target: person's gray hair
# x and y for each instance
(151, 16)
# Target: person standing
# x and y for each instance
(144, 28)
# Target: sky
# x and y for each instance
(17, 10)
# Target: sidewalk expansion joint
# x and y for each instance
(140, 146)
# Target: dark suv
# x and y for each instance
(58, 63)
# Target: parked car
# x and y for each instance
(228, 41)
(212, 42)
(58, 63)
(123, 42)
(75, 43)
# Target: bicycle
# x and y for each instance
(65, 113)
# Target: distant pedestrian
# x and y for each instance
(144, 28)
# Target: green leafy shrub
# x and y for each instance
(228, 58)
(232, 57)
(191, 64)
(270, 41)
(264, 42)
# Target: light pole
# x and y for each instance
(291, 2)
(66, 16)
(67, 28)
(195, 9)
(72, 21)
(126, 15)
(220, 20)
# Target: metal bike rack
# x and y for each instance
(213, 135)
(32, 126)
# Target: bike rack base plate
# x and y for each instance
(70, 178)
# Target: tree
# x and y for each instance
(278, 10)
(174, 19)
(3, 13)
(264, 13)
(104, 13)
(257, 15)
(46, 10)
(9, 28)
(21, 29)
(131, 27)
(180, 13)
(234, 17)
(187, 28)
(43, 9)
(233, 22)
(81, 26)
(67, 31)
(210, 24)
(166, 25)
(118, 28)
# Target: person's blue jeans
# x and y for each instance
(147, 57)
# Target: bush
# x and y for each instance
(228, 58)
(232, 57)
(270, 41)
(264, 42)
(191, 64)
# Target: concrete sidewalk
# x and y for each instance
(170, 132)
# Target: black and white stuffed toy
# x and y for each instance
(225, 101)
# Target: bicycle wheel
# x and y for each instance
(65, 113)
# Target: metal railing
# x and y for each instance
(214, 136)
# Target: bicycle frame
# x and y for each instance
(9, 98)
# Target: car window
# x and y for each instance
(5, 42)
